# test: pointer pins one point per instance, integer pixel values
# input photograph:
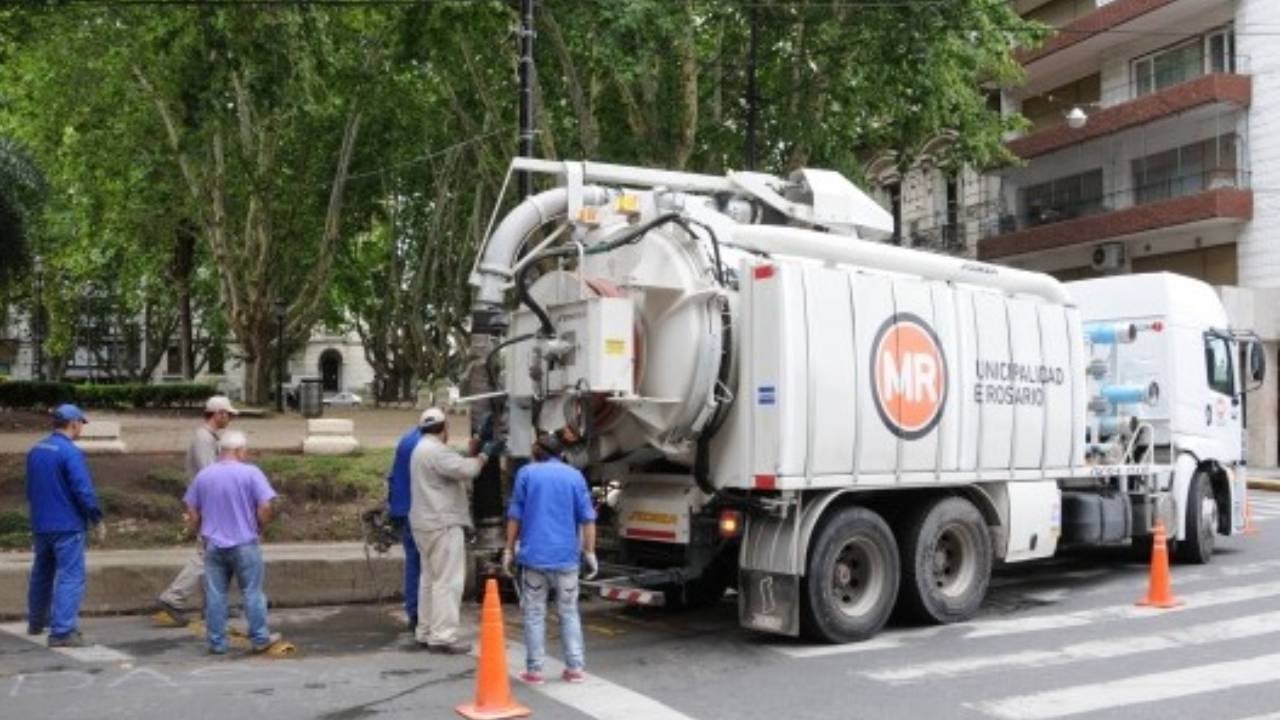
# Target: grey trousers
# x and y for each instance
(443, 554)
(185, 592)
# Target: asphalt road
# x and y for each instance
(1054, 640)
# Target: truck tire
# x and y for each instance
(946, 561)
(1196, 546)
(852, 578)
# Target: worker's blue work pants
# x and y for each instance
(412, 571)
(57, 583)
(244, 563)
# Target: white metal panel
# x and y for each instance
(969, 415)
(996, 430)
(833, 395)
(1026, 383)
(764, 312)
(1058, 356)
(873, 305)
(946, 317)
(923, 372)
(1035, 520)
(793, 352)
(1079, 399)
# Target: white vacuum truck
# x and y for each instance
(837, 426)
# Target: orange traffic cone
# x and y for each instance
(493, 688)
(1160, 590)
(1249, 527)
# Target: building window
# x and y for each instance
(173, 361)
(1217, 360)
(1211, 52)
(894, 191)
(1186, 170)
(1063, 198)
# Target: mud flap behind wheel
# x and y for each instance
(769, 602)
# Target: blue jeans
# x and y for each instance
(412, 567)
(245, 563)
(57, 582)
(534, 585)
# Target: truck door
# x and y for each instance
(1223, 407)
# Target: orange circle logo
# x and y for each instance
(909, 376)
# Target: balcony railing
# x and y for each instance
(1071, 206)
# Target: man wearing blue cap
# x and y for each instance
(63, 506)
(399, 497)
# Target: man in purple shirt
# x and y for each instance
(229, 502)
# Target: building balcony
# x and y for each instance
(1205, 199)
(1080, 43)
(1222, 89)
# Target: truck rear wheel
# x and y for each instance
(1201, 522)
(946, 561)
(852, 578)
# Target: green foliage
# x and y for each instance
(168, 481)
(48, 394)
(318, 478)
(14, 521)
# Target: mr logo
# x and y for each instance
(909, 376)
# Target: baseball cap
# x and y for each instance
(431, 416)
(220, 403)
(67, 412)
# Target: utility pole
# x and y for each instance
(749, 151)
(527, 71)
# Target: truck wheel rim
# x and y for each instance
(857, 578)
(1208, 520)
(954, 561)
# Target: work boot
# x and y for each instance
(178, 618)
(72, 639)
(453, 648)
(272, 639)
(34, 630)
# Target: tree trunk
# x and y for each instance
(184, 250)
(257, 379)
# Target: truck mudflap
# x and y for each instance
(769, 601)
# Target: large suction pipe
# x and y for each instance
(799, 242)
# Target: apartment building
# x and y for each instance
(1154, 145)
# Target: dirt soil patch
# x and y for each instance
(321, 498)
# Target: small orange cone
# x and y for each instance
(493, 688)
(1160, 590)
(1249, 527)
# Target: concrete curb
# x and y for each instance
(298, 575)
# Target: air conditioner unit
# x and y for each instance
(1108, 257)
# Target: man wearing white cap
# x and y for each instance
(181, 597)
(439, 516)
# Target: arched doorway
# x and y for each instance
(331, 371)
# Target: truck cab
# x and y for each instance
(1173, 337)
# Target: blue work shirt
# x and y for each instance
(550, 501)
(59, 489)
(398, 493)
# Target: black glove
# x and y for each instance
(493, 448)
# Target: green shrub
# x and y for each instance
(169, 481)
(137, 396)
(14, 521)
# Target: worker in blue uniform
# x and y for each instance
(63, 508)
(398, 501)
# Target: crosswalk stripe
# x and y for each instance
(1035, 623)
(597, 697)
(1114, 647)
(88, 654)
(1153, 687)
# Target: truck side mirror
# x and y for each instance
(1257, 365)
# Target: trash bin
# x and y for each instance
(310, 397)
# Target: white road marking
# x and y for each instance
(596, 697)
(1035, 623)
(1153, 687)
(1114, 647)
(887, 640)
(89, 654)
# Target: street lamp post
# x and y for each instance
(280, 313)
(37, 320)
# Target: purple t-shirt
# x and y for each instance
(227, 495)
